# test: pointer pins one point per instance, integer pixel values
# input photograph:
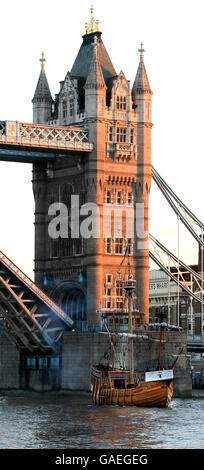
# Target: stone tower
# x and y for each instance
(85, 274)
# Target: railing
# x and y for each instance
(40, 135)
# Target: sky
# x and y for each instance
(173, 37)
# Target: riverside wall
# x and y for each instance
(82, 349)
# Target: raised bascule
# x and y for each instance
(92, 141)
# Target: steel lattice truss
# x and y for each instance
(31, 320)
(163, 257)
(193, 288)
(192, 223)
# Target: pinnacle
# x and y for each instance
(42, 90)
(141, 83)
(95, 78)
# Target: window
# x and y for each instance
(129, 246)
(110, 134)
(119, 197)
(121, 134)
(121, 102)
(78, 246)
(64, 109)
(71, 107)
(119, 304)
(119, 384)
(66, 246)
(119, 245)
(109, 278)
(131, 135)
(108, 197)
(109, 245)
(109, 291)
(119, 289)
(129, 199)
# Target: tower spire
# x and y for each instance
(141, 83)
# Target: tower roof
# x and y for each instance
(84, 57)
(141, 83)
(95, 78)
(42, 90)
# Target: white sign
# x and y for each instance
(159, 375)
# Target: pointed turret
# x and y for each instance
(95, 86)
(95, 77)
(42, 100)
(141, 83)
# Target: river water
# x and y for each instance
(56, 421)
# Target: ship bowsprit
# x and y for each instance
(33, 322)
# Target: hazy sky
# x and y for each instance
(173, 36)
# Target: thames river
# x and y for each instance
(57, 421)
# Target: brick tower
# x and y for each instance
(85, 274)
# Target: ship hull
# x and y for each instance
(149, 394)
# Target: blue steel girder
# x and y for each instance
(31, 320)
(24, 156)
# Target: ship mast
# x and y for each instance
(129, 286)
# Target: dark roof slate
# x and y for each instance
(42, 90)
(84, 57)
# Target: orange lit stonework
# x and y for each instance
(117, 171)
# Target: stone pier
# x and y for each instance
(82, 349)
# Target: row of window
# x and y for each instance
(119, 198)
(66, 247)
(120, 104)
(108, 290)
(163, 299)
(116, 303)
(121, 134)
(118, 246)
(37, 362)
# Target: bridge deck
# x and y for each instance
(41, 136)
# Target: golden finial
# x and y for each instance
(92, 19)
(93, 25)
(43, 60)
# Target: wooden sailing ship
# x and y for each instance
(112, 386)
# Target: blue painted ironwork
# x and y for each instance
(31, 319)
(25, 156)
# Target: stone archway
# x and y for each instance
(72, 299)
